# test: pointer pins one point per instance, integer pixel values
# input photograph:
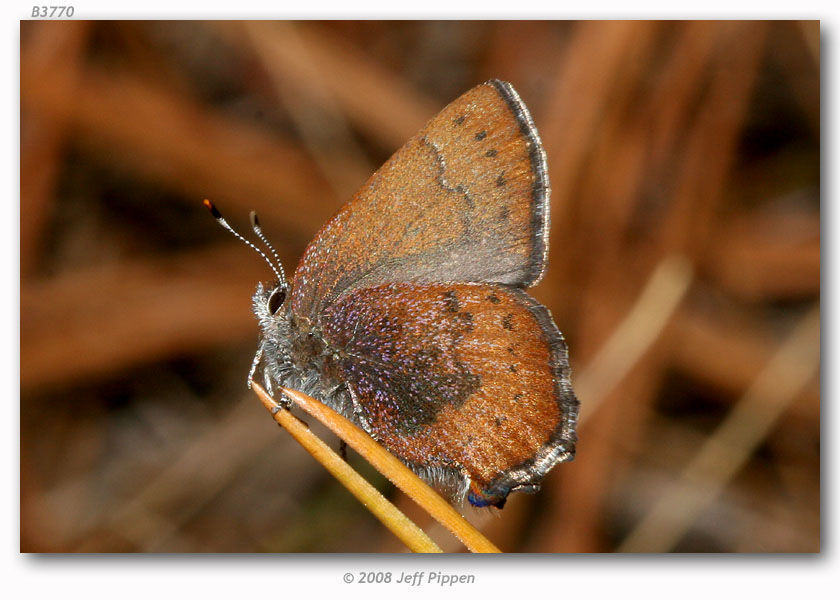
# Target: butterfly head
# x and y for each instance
(270, 304)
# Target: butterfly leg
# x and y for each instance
(254, 364)
(269, 387)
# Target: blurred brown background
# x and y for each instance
(684, 270)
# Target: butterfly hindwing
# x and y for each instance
(472, 379)
(464, 200)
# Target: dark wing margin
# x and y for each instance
(527, 475)
(541, 190)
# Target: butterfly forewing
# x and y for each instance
(463, 200)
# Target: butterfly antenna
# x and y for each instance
(255, 225)
(221, 221)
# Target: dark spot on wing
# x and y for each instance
(491, 153)
(507, 322)
(500, 180)
(500, 420)
(517, 397)
(504, 214)
(511, 350)
(460, 120)
(513, 369)
(422, 392)
(452, 304)
(480, 135)
(493, 298)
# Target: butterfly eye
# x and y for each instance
(275, 301)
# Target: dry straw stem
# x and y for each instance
(638, 331)
(722, 455)
(384, 462)
(390, 515)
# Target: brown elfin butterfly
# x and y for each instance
(407, 312)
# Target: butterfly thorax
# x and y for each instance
(294, 353)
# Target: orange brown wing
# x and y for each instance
(466, 379)
(464, 200)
